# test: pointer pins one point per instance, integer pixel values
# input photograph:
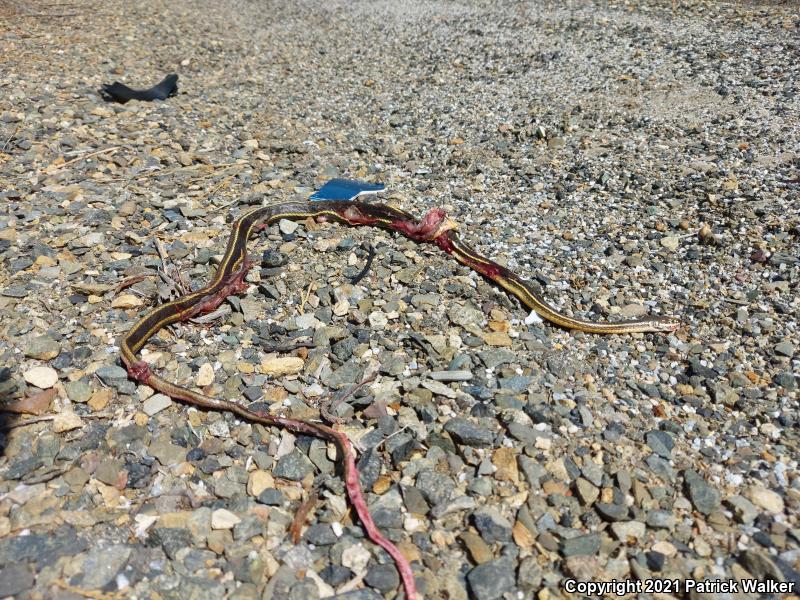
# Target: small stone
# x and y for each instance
(43, 348)
(704, 498)
(355, 557)
(505, 462)
(743, 509)
(100, 399)
(224, 519)
(490, 580)
(294, 466)
(287, 227)
(205, 375)
(271, 497)
(127, 301)
(282, 365)
(109, 471)
(78, 391)
(467, 433)
(626, 530)
(112, 375)
(15, 578)
(102, 565)
(785, 349)
(765, 498)
(66, 421)
(497, 338)
(612, 512)
(587, 492)
(451, 375)
(660, 519)
(478, 549)
(42, 377)
(378, 319)
(155, 404)
(670, 243)
(660, 442)
(492, 525)
(258, 481)
(382, 577)
(582, 545)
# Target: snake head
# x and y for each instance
(664, 324)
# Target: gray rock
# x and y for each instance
(660, 519)
(704, 498)
(435, 487)
(460, 375)
(155, 404)
(582, 545)
(15, 579)
(78, 391)
(116, 377)
(744, 510)
(42, 348)
(467, 433)
(492, 525)
(320, 534)
(612, 512)
(41, 549)
(785, 349)
(293, 466)
(250, 526)
(102, 565)
(492, 579)
(382, 577)
(760, 566)
(493, 358)
(660, 442)
(172, 539)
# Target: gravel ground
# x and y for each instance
(632, 158)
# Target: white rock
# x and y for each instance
(766, 499)
(286, 226)
(223, 519)
(341, 308)
(205, 376)
(155, 404)
(42, 377)
(378, 319)
(307, 320)
(532, 318)
(282, 365)
(670, 242)
(355, 558)
(66, 421)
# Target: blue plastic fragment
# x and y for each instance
(346, 189)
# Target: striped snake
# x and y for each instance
(434, 227)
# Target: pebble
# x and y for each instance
(704, 498)
(466, 432)
(42, 377)
(224, 519)
(490, 580)
(78, 391)
(205, 375)
(287, 227)
(765, 498)
(42, 348)
(447, 376)
(155, 404)
(293, 466)
(283, 365)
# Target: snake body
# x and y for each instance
(435, 227)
